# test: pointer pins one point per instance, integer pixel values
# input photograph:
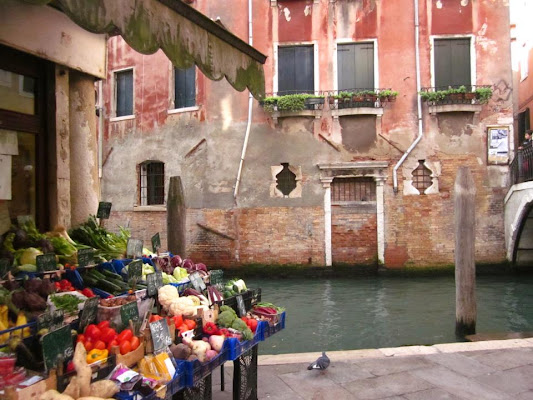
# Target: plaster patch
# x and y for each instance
(307, 10)
(482, 30)
(287, 14)
(487, 45)
(227, 117)
(439, 4)
(464, 3)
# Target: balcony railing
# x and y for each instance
(464, 94)
(522, 165)
(288, 101)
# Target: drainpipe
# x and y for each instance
(250, 104)
(100, 109)
(419, 102)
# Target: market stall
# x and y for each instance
(77, 320)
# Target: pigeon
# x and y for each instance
(321, 362)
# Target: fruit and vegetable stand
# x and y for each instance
(79, 319)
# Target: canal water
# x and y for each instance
(375, 312)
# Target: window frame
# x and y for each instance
(473, 66)
(338, 179)
(172, 92)
(114, 87)
(143, 200)
(316, 69)
(342, 41)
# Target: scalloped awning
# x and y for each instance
(185, 35)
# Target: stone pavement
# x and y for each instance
(498, 369)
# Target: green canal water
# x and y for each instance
(375, 312)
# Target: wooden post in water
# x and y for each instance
(176, 217)
(465, 267)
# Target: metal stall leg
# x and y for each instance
(245, 376)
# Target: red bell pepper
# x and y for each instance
(210, 328)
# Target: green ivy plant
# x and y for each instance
(383, 94)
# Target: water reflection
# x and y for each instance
(342, 314)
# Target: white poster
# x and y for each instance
(498, 137)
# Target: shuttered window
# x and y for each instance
(296, 70)
(124, 93)
(184, 87)
(452, 62)
(152, 180)
(355, 65)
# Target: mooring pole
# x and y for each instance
(176, 217)
(465, 267)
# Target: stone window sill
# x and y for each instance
(443, 108)
(123, 118)
(378, 111)
(160, 208)
(183, 110)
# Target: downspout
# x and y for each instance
(250, 104)
(419, 102)
(100, 109)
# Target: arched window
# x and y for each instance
(286, 180)
(152, 183)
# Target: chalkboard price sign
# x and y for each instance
(57, 345)
(135, 270)
(160, 334)
(46, 262)
(197, 281)
(215, 277)
(240, 306)
(156, 242)
(88, 315)
(134, 248)
(151, 285)
(85, 257)
(129, 312)
(104, 209)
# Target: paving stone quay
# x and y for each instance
(491, 370)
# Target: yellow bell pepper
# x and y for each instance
(5, 336)
(3, 315)
(96, 355)
(21, 320)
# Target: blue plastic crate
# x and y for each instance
(75, 278)
(179, 381)
(181, 286)
(101, 293)
(269, 330)
(133, 395)
(237, 348)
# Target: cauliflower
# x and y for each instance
(167, 294)
(182, 306)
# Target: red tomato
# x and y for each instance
(178, 320)
(102, 325)
(89, 345)
(80, 338)
(93, 333)
(108, 335)
(135, 342)
(252, 324)
(100, 345)
(190, 323)
(155, 317)
(111, 344)
(126, 334)
(125, 347)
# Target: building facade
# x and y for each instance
(340, 180)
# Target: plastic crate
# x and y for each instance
(133, 395)
(181, 286)
(101, 293)
(237, 348)
(270, 329)
(250, 298)
(195, 371)
(75, 278)
(179, 381)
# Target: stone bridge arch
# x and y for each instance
(519, 223)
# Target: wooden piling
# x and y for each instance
(176, 217)
(465, 267)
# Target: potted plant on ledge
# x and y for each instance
(387, 95)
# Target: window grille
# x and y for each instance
(124, 93)
(286, 180)
(184, 87)
(353, 189)
(422, 177)
(152, 183)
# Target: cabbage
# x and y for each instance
(180, 273)
(29, 256)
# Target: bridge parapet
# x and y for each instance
(518, 227)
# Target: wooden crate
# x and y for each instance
(131, 358)
(31, 392)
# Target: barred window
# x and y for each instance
(422, 177)
(152, 179)
(286, 180)
(353, 189)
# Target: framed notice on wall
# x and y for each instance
(498, 137)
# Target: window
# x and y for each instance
(296, 70)
(353, 189)
(152, 178)
(286, 180)
(422, 177)
(184, 87)
(124, 93)
(355, 65)
(523, 124)
(452, 62)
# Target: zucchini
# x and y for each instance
(108, 286)
(110, 274)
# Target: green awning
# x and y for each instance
(185, 35)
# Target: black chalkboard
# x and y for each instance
(156, 242)
(160, 334)
(153, 282)
(88, 315)
(197, 281)
(104, 210)
(57, 345)
(215, 277)
(129, 312)
(135, 270)
(85, 257)
(134, 248)
(240, 306)
(46, 262)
